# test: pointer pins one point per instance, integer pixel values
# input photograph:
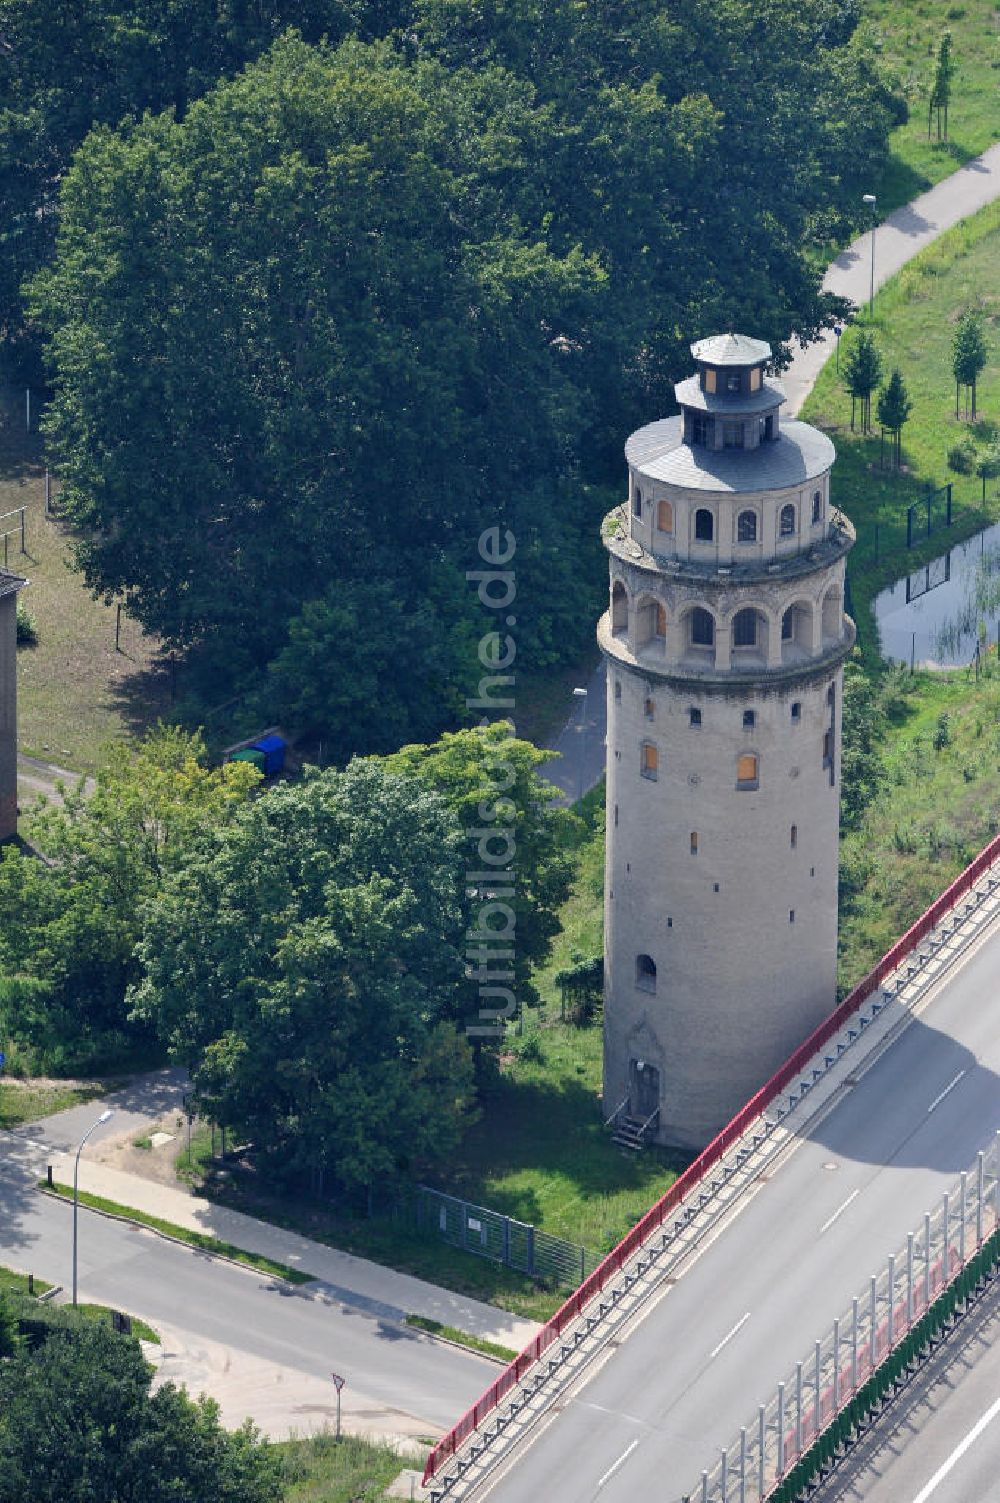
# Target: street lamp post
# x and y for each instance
(581, 695)
(105, 1116)
(870, 198)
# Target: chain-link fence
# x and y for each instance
(503, 1239)
(828, 1377)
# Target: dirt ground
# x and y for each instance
(157, 1163)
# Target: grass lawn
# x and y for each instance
(351, 1470)
(17, 1283)
(914, 324)
(75, 692)
(27, 1100)
(907, 36)
(938, 806)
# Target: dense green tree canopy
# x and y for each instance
(69, 923)
(312, 331)
(78, 1424)
(489, 778)
(307, 962)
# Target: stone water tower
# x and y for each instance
(724, 644)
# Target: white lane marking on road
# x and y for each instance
(839, 1211)
(950, 1087)
(958, 1452)
(739, 1324)
(620, 1462)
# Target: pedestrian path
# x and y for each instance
(898, 239)
(358, 1283)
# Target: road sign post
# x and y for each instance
(338, 1383)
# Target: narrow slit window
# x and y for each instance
(694, 716)
(796, 712)
(794, 836)
(649, 709)
(694, 842)
(749, 719)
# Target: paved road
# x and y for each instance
(396, 1369)
(940, 1441)
(695, 1368)
(581, 742)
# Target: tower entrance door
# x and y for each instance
(643, 1088)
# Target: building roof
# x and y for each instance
(690, 394)
(10, 583)
(731, 349)
(800, 454)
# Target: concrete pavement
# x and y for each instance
(939, 1442)
(353, 1281)
(696, 1363)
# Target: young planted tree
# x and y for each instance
(940, 95)
(968, 358)
(988, 464)
(862, 374)
(894, 407)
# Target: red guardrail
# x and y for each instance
(655, 1216)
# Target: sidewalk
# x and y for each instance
(281, 1401)
(357, 1283)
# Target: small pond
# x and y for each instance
(933, 616)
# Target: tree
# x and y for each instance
(864, 725)
(78, 1425)
(988, 464)
(69, 923)
(489, 778)
(276, 380)
(968, 357)
(307, 962)
(894, 407)
(940, 95)
(10, 1337)
(862, 374)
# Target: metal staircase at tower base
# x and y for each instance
(632, 1133)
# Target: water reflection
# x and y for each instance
(934, 616)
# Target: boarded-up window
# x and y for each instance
(746, 771)
(665, 516)
(660, 622)
(755, 379)
(710, 380)
(650, 763)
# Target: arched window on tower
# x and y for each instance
(746, 527)
(660, 622)
(817, 506)
(637, 502)
(745, 628)
(619, 607)
(664, 516)
(704, 525)
(786, 521)
(702, 628)
(645, 973)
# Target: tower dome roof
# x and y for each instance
(731, 349)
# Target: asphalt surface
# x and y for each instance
(939, 1441)
(132, 1269)
(694, 1369)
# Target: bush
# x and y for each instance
(27, 631)
(962, 457)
